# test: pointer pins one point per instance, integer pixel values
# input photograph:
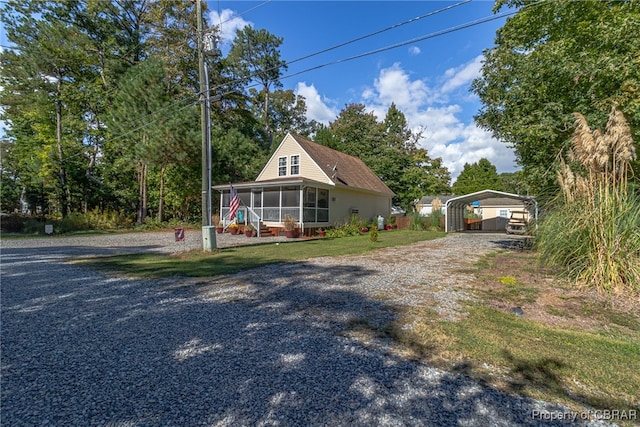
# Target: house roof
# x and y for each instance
(486, 194)
(500, 201)
(341, 168)
(272, 183)
(427, 200)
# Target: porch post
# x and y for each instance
(300, 206)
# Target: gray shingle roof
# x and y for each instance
(349, 171)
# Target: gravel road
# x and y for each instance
(270, 346)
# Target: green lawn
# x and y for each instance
(583, 350)
(231, 260)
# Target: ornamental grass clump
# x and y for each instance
(594, 233)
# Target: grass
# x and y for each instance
(232, 260)
(530, 358)
(576, 350)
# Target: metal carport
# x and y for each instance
(455, 207)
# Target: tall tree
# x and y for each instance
(552, 59)
(254, 59)
(149, 131)
(59, 79)
(390, 149)
(478, 176)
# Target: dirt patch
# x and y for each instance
(515, 279)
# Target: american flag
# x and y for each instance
(234, 204)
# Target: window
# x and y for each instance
(290, 197)
(282, 166)
(323, 205)
(295, 165)
(503, 213)
(309, 214)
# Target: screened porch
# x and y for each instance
(309, 205)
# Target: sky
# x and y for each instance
(427, 74)
(411, 53)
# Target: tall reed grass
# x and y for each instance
(594, 231)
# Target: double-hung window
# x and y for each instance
(295, 165)
(282, 166)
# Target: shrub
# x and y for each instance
(373, 234)
(417, 221)
(594, 233)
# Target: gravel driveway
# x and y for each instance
(270, 346)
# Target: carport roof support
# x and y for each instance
(457, 204)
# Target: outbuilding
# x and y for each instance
(498, 206)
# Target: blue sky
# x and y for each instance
(428, 80)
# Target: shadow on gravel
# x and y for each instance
(517, 243)
(79, 251)
(82, 349)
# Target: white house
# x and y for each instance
(316, 185)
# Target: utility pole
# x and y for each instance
(208, 231)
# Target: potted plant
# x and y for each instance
(391, 223)
(321, 232)
(250, 230)
(233, 228)
(290, 226)
(217, 223)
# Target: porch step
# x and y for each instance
(265, 231)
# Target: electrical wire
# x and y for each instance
(383, 49)
(375, 33)
(412, 20)
(404, 43)
(192, 101)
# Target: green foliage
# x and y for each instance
(435, 220)
(373, 234)
(594, 233)
(478, 176)
(550, 60)
(418, 221)
(596, 243)
(390, 150)
(514, 183)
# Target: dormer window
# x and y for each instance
(282, 166)
(295, 165)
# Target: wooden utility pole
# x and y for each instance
(208, 232)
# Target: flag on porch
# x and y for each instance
(234, 204)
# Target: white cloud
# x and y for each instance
(414, 50)
(228, 23)
(317, 108)
(395, 85)
(445, 134)
(462, 76)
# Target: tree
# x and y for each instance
(389, 149)
(145, 139)
(477, 177)
(46, 79)
(99, 97)
(514, 183)
(552, 59)
(254, 58)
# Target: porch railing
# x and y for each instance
(251, 217)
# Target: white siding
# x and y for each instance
(308, 168)
(368, 205)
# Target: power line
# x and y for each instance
(404, 43)
(392, 27)
(383, 49)
(191, 102)
(394, 46)
(432, 13)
